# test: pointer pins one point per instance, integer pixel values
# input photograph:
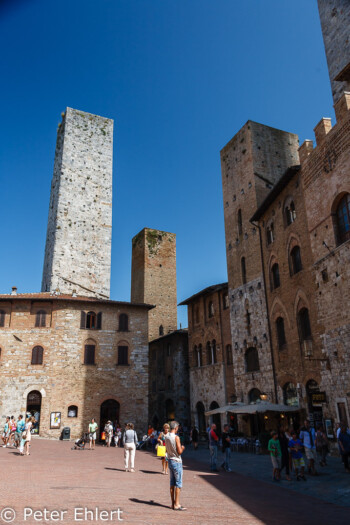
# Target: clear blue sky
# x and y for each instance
(179, 78)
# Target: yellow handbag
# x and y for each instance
(161, 451)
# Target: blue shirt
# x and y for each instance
(296, 454)
(20, 426)
(307, 439)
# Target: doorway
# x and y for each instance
(34, 408)
(109, 411)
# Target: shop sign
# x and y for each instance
(317, 398)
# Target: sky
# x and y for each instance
(179, 78)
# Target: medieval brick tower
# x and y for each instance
(251, 163)
(335, 22)
(153, 278)
(79, 230)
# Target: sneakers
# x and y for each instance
(132, 470)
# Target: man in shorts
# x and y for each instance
(295, 446)
(174, 450)
(308, 438)
(92, 434)
(274, 448)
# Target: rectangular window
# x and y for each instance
(89, 355)
(123, 355)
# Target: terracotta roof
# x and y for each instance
(50, 296)
(206, 291)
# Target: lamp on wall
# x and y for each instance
(263, 396)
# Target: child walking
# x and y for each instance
(274, 448)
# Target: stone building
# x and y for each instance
(79, 357)
(291, 294)
(153, 278)
(251, 164)
(210, 353)
(79, 228)
(169, 385)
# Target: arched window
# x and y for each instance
(270, 233)
(229, 358)
(244, 271)
(214, 351)
(2, 318)
(123, 355)
(290, 213)
(123, 323)
(275, 277)
(209, 356)
(40, 319)
(281, 336)
(89, 354)
(91, 321)
(239, 221)
(199, 356)
(37, 355)
(295, 260)
(161, 330)
(304, 325)
(252, 360)
(211, 309)
(343, 219)
(254, 395)
(290, 395)
(72, 411)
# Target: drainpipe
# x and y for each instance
(267, 311)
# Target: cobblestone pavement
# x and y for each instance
(57, 478)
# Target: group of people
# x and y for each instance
(111, 433)
(18, 433)
(288, 447)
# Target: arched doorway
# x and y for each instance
(201, 417)
(109, 412)
(170, 410)
(216, 417)
(34, 408)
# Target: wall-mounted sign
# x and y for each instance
(329, 428)
(55, 420)
(317, 398)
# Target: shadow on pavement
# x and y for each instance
(149, 502)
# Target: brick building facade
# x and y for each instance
(169, 383)
(210, 353)
(73, 355)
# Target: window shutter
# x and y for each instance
(122, 355)
(99, 321)
(89, 355)
(42, 319)
(83, 320)
(37, 320)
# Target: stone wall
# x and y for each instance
(153, 278)
(335, 22)
(169, 383)
(79, 230)
(63, 379)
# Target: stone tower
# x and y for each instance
(335, 23)
(251, 164)
(153, 278)
(79, 230)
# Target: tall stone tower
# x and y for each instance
(153, 278)
(335, 23)
(251, 164)
(79, 230)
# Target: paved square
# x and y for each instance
(56, 478)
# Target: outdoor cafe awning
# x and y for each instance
(252, 408)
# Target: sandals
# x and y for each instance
(180, 508)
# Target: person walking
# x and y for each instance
(344, 445)
(20, 427)
(6, 433)
(322, 446)
(161, 441)
(130, 442)
(274, 448)
(213, 448)
(174, 450)
(108, 433)
(226, 448)
(284, 441)
(28, 435)
(93, 426)
(295, 447)
(194, 437)
(307, 437)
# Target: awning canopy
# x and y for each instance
(252, 408)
